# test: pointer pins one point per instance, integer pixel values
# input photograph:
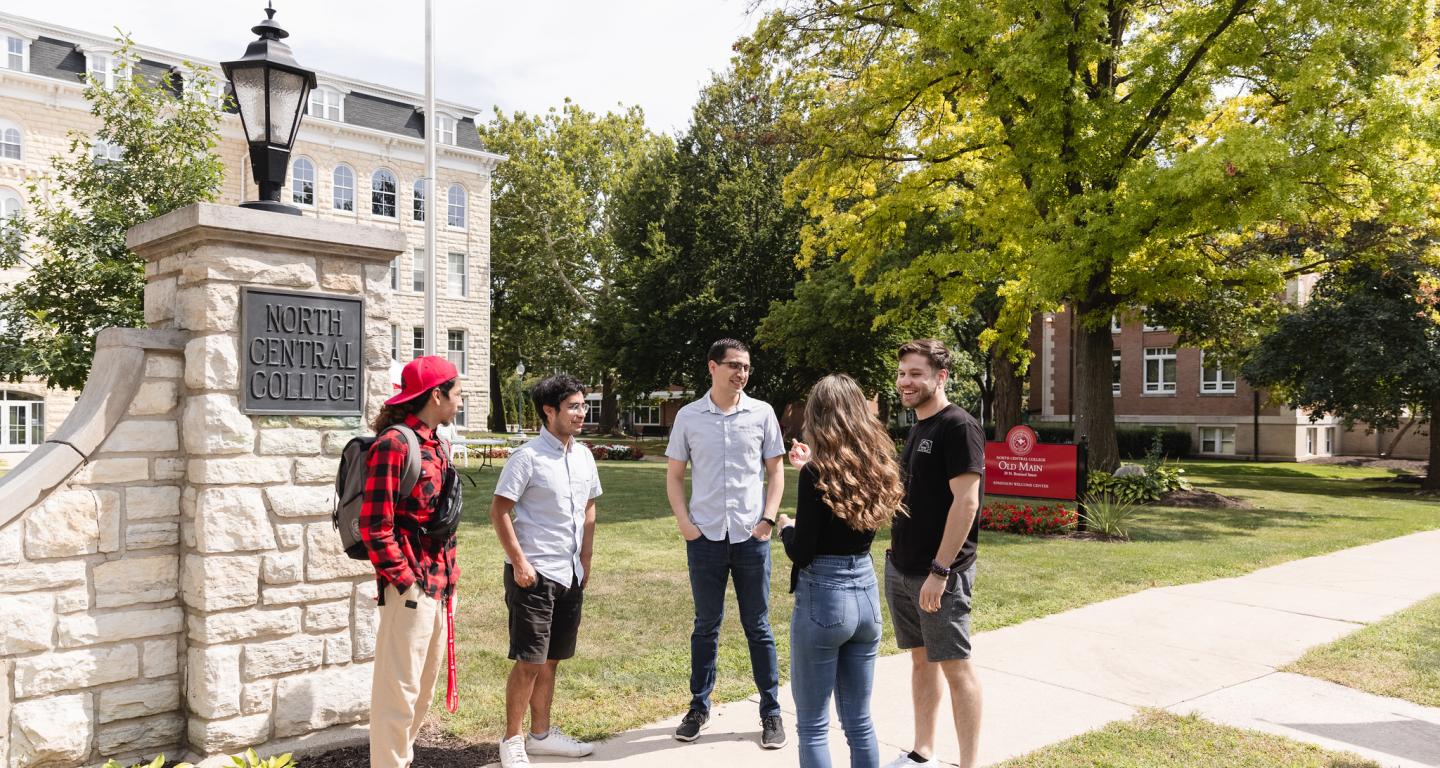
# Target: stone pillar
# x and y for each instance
(279, 622)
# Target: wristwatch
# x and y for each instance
(769, 520)
(936, 569)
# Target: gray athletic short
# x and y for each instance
(944, 634)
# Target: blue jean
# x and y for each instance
(712, 565)
(834, 638)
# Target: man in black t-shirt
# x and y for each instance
(930, 569)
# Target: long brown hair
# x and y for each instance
(391, 415)
(852, 454)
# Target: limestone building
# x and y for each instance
(359, 158)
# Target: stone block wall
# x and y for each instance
(173, 582)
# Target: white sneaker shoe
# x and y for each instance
(558, 744)
(512, 753)
(904, 761)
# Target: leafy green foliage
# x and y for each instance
(251, 760)
(1157, 478)
(158, 762)
(1379, 320)
(1109, 515)
(81, 277)
(1106, 156)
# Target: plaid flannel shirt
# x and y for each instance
(390, 527)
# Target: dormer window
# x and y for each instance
(327, 103)
(445, 126)
(17, 53)
(105, 68)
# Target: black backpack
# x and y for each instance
(350, 492)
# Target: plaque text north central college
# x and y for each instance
(302, 353)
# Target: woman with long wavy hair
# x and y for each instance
(849, 488)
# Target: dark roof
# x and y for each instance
(64, 60)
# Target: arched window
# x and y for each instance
(327, 103)
(456, 209)
(302, 181)
(102, 151)
(382, 193)
(10, 140)
(10, 205)
(22, 420)
(419, 199)
(343, 180)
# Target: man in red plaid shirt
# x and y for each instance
(415, 575)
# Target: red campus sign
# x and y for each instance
(1022, 466)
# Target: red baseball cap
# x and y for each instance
(421, 375)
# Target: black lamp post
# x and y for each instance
(271, 91)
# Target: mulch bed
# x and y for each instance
(1201, 499)
(434, 749)
(1404, 465)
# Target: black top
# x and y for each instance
(816, 530)
(944, 446)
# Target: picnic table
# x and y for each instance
(460, 449)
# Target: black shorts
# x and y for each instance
(544, 618)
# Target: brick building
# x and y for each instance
(359, 157)
(1157, 383)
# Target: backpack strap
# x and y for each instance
(411, 474)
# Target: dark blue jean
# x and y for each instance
(834, 638)
(712, 565)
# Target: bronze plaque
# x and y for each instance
(301, 353)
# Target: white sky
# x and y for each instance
(514, 55)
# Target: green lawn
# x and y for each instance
(633, 661)
(1157, 739)
(1399, 656)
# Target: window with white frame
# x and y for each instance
(22, 420)
(1115, 372)
(417, 271)
(100, 67)
(1217, 440)
(326, 103)
(11, 141)
(302, 181)
(17, 53)
(455, 349)
(1159, 370)
(458, 286)
(395, 273)
(460, 414)
(1148, 327)
(1329, 441)
(343, 181)
(592, 416)
(1310, 440)
(394, 342)
(456, 207)
(382, 193)
(10, 206)
(417, 341)
(419, 200)
(102, 151)
(645, 415)
(1114, 323)
(1214, 379)
(211, 92)
(446, 132)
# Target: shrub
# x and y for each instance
(497, 453)
(615, 452)
(158, 762)
(1108, 516)
(1158, 478)
(1138, 443)
(1025, 519)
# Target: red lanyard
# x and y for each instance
(452, 693)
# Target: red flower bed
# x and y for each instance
(1025, 519)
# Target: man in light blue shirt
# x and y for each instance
(733, 445)
(550, 484)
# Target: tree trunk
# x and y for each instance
(884, 415)
(609, 404)
(1006, 403)
(1432, 472)
(1094, 405)
(1394, 441)
(496, 422)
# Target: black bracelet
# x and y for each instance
(769, 520)
(937, 569)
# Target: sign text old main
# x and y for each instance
(302, 353)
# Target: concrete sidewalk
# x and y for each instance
(1211, 648)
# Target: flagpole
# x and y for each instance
(432, 206)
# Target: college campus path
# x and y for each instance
(1214, 648)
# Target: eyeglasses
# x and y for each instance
(578, 407)
(737, 366)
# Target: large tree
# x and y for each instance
(554, 259)
(156, 152)
(1380, 322)
(1107, 155)
(709, 244)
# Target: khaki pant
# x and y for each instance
(409, 651)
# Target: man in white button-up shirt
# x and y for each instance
(733, 445)
(550, 484)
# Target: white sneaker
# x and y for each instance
(512, 753)
(558, 744)
(904, 761)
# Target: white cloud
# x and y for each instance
(517, 56)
